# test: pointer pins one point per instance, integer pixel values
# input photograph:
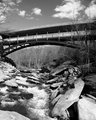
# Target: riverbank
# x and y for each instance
(44, 95)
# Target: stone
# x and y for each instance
(7, 103)
(32, 81)
(54, 93)
(52, 80)
(22, 83)
(54, 85)
(2, 76)
(11, 83)
(87, 108)
(34, 78)
(58, 70)
(4, 90)
(56, 99)
(7, 115)
(20, 78)
(34, 74)
(67, 99)
(90, 96)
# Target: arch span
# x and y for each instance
(16, 47)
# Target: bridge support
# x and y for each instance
(9, 60)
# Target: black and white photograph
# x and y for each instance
(47, 59)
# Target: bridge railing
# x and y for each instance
(50, 35)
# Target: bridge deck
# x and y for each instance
(52, 29)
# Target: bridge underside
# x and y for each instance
(8, 49)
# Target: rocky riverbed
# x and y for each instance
(58, 94)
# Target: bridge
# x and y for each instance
(69, 35)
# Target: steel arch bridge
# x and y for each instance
(69, 35)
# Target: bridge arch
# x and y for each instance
(19, 46)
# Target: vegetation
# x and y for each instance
(37, 57)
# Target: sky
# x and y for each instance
(26, 14)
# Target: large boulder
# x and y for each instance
(67, 99)
(8, 115)
(87, 108)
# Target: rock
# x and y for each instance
(54, 85)
(34, 78)
(32, 81)
(56, 99)
(4, 90)
(11, 83)
(58, 70)
(35, 75)
(20, 78)
(6, 115)
(8, 103)
(2, 76)
(71, 80)
(67, 99)
(54, 93)
(7, 68)
(52, 80)
(63, 79)
(22, 83)
(7, 71)
(90, 96)
(87, 109)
